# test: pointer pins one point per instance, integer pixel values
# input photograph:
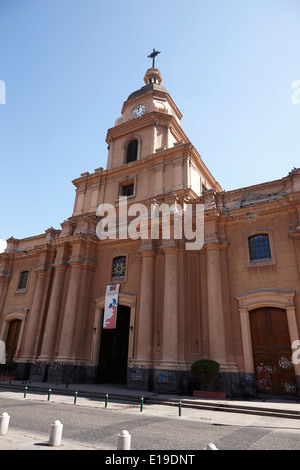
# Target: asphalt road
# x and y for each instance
(157, 427)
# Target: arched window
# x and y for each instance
(23, 280)
(131, 152)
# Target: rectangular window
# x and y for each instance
(259, 247)
(127, 190)
(23, 280)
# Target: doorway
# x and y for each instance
(272, 354)
(12, 339)
(113, 354)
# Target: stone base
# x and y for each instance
(164, 381)
(157, 380)
(183, 383)
(62, 373)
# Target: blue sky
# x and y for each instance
(68, 66)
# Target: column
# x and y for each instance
(294, 336)
(144, 340)
(246, 341)
(154, 132)
(71, 306)
(4, 280)
(170, 311)
(5, 276)
(35, 317)
(110, 155)
(57, 288)
(295, 234)
(215, 304)
(168, 136)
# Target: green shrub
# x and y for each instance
(205, 371)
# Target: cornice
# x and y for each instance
(258, 210)
(181, 150)
(157, 92)
(71, 239)
(147, 120)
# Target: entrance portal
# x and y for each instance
(113, 355)
(12, 339)
(273, 365)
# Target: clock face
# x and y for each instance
(139, 111)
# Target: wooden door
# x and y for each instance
(273, 365)
(12, 339)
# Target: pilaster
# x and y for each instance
(53, 313)
(5, 276)
(145, 321)
(216, 325)
(64, 353)
(35, 317)
(170, 311)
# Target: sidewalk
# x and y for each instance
(20, 441)
(230, 412)
(288, 407)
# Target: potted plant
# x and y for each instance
(7, 371)
(205, 371)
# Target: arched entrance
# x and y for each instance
(266, 299)
(274, 370)
(12, 339)
(113, 354)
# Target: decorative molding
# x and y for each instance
(266, 297)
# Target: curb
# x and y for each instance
(229, 407)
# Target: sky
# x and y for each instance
(67, 66)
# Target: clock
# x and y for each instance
(139, 111)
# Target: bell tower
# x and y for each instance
(150, 121)
(149, 155)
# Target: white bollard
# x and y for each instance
(210, 447)
(124, 441)
(55, 434)
(4, 422)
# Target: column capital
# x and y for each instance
(5, 275)
(146, 248)
(169, 246)
(60, 264)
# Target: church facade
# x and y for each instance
(233, 297)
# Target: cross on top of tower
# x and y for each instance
(153, 55)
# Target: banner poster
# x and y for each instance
(111, 305)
